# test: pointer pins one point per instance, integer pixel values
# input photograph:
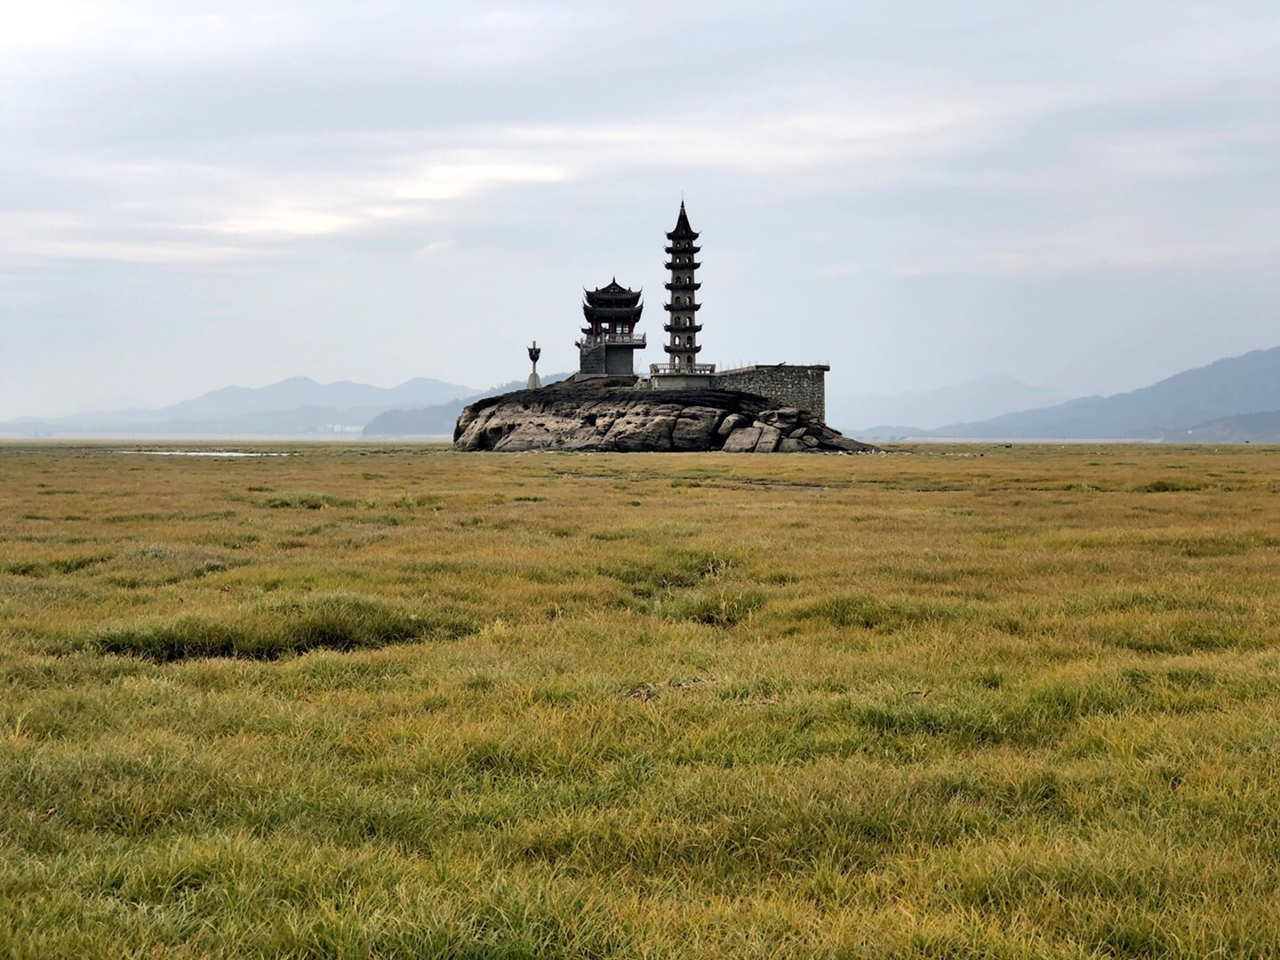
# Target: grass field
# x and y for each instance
(399, 702)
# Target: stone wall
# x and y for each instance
(692, 381)
(591, 360)
(802, 387)
(604, 360)
(619, 362)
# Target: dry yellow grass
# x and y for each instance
(395, 701)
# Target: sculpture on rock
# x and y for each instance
(534, 382)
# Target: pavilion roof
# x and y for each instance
(612, 295)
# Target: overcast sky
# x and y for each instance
(1085, 195)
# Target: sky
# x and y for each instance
(1083, 195)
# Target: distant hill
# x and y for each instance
(1245, 428)
(292, 407)
(986, 396)
(438, 420)
(888, 432)
(1227, 388)
(298, 392)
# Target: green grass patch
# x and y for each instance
(667, 569)
(719, 608)
(1169, 486)
(323, 623)
(309, 501)
(875, 613)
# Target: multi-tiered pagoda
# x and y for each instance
(682, 325)
(609, 339)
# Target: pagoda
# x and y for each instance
(609, 340)
(682, 327)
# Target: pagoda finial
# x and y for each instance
(682, 230)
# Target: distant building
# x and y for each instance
(682, 325)
(610, 339)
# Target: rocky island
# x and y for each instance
(683, 405)
(602, 416)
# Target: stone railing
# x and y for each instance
(669, 370)
(625, 339)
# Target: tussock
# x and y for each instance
(320, 623)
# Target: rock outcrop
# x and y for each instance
(605, 416)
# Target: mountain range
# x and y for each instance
(1233, 400)
(295, 407)
(1189, 406)
(438, 420)
(986, 396)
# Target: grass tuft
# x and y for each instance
(667, 569)
(874, 613)
(714, 609)
(309, 501)
(324, 623)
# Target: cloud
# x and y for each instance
(339, 153)
(34, 237)
(433, 248)
(461, 178)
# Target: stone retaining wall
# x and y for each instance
(591, 360)
(802, 387)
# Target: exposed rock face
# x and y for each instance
(608, 417)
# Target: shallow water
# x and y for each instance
(203, 453)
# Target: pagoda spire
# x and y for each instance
(682, 327)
